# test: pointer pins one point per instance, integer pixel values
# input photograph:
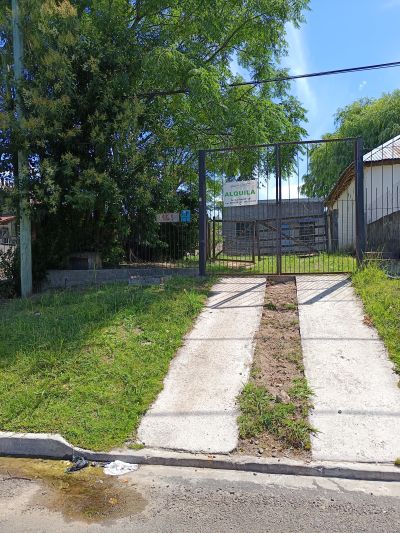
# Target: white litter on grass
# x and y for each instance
(119, 468)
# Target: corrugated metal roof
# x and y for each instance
(388, 150)
(7, 219)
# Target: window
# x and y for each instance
(307, 232)
(244, 229)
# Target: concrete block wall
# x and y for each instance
(64, 279)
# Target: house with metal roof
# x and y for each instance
(8, 232)
(381, 202)
(8, 222)
(253, 230)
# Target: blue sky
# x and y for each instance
(341, 34)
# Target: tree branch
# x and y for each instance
(230, 37)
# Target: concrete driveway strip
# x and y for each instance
(197, 411)
(357, 400)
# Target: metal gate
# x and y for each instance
(256, 218)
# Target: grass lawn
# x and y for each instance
(381, 297)
(291, 264)
(88, 364)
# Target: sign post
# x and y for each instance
(164, 218)
(186, 215)
(240, 193)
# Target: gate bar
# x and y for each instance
(283, 143)
(360, 217)
(202, 214)
(278, 211)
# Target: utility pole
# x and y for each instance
(25, 237)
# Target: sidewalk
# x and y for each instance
(196, 411)
(357, 400)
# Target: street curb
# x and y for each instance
(48, 446)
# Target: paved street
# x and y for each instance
(163, 499)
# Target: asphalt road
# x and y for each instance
(163, 499)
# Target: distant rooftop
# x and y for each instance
(388, 150)
(385, 154)
(6, 219)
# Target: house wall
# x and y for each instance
(8, 236)
(258, 224)
(381, 198)
(345, 206)
(382, 191)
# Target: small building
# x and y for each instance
(8, 232)
(381, 203)
(253, 230)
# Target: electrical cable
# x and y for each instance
(278, 79)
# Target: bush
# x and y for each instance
(10, 271)
(9, 277)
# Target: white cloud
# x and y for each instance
(362, 85)
(390, 4)
(297, 62)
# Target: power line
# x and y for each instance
(278, 79)
(319, 74)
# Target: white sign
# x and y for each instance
(167, 217)
(237, 193)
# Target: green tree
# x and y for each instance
(375, 120)
(106, 151)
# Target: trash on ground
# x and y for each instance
(78, 464)
(119, 468)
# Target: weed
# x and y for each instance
(295, 357)
(261, 412)
(300, 390)
(289, 307)
(255, 372)
(270, 306)
(136, 446)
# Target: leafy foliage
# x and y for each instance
(106, 153)
(8, 274)
(375, 120)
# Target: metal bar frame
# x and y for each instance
(359, 190)
(278, 232)
(360, 216)
(202, 214)
(273, 145)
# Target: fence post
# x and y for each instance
(254, 243)
(202, 213)
(360, 217)
(25, 237)
(208, 239)
(213, 240)
(278, 211)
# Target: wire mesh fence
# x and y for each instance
(261, 218)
